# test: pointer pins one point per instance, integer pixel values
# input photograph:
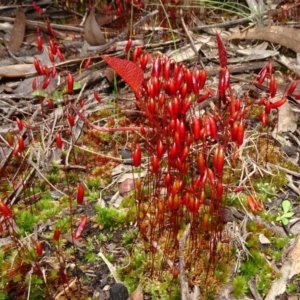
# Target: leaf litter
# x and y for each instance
(38, 109)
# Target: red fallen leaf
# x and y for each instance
(131, 73)
(222, 51)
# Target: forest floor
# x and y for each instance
(69, 127)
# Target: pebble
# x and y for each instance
(119, 291)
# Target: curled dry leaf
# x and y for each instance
(284, 36)
(92, 32)
(137, 294)
(290, 267)
(18, 31)
(109, 74)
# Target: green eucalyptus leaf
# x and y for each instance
(76, 86)
(286, 205)
(57, 95)
(39, 93)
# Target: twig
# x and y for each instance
(111, 268)
(292, 186)
(239, 21)
(20, 61)
(297, 174)
(65, 289)
(253, 290)
(43, 177)
(74, 137)
(183, 280)
(97, 153)
(43, 26)
(190, 38)
(104, 129)
(168, 261)
(122, 35)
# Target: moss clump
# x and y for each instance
(240, 286)
(110, 217)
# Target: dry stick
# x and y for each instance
(110, 267)
(73, 137)
(190, 38)
(292, 186)
(296, 174)
(42, 25)
(19, 61)
(105, 129)
(183, 280)
(124, 34)
(268, 13)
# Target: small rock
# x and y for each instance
(119, 291)
(263, 239)
(126, 156)
(126, 186)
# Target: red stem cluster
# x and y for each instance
(192, 143)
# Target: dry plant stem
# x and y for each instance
(43, 177)
(103, 129)
(183, 280)
(73, 136)
(124, 34)
(292, 186)
(268, 13)
(294, 138)
(65, 289)
(155, 245)
(190, 38)
(297, 174)
(110, 267)
(253, 290)
(21, 187)
(43, 26)
(96, 153)
(17, 60)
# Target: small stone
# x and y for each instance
(106, 288)
(263, 239)
(126, 156)
(126, 186)
(119, 291)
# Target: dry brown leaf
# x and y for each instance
(287, 120)
(137, 294)
(109, 74)
(284, 36)
(290, 267)
(92, 31)
(104, 19)
(20, 70)
(18, 31)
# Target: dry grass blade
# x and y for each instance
(112, 269)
